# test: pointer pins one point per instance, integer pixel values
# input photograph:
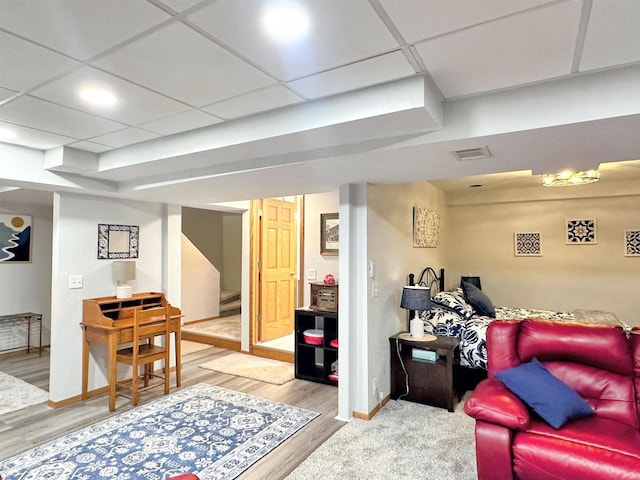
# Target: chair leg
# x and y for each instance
(134, 386)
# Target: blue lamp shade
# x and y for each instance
(416, 298)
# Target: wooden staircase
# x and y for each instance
(229, 303)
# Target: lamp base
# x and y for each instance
(124, 291)
(416, 327)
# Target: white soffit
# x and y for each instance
(373, 106)
(341, 32)
(484, 58)
(612, 23)
(166, 60)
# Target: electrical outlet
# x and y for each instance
(375, 386)
(75, 281)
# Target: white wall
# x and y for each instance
(75, 231)
(314, 205)
(26, 287)
(565, 277)
(390, 248)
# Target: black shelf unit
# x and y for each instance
(313, 362)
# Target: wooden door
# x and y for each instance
(278, 269)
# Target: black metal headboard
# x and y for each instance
(429, 278)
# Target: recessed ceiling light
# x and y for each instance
(6, 134)
(98, 96)
(285, 22)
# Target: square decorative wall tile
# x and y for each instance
(527, 244)
(632, 243)
(581, 232)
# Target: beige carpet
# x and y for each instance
(224, 327)
(256, 368)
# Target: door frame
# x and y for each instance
(254, 277)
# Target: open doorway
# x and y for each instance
(212, 277)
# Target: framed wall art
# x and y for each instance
(117, 241)
(527, 244)
(15, 238)
(581, 232)
(426, 228)
(632, 243)
(329, 233)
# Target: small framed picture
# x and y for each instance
(581, 232)
(329, 233)
(632, 243)
(527, 244)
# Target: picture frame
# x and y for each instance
(15, 238)
(329, 233)
(426, 228)
(581, 231)
(117, 241)
(527, 244)
(632, 243)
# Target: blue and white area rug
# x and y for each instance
(203, 429)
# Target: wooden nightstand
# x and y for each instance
(429, 366)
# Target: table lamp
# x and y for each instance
(124, 271)
(416, 298)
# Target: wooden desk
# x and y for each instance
(109, 321)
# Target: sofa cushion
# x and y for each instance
(546, 394)
(591, 447)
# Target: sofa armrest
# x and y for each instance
(492, 402)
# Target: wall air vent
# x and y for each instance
(472, 153)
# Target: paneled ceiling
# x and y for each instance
(209, 108)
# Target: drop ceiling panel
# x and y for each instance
(180, 122)
(5, 93)
(341, 32)
(134, 104)
(519, 49)
(90, 146)
(179, 62)
(416, 21)
(53, 118)
(42, 63)
(253, 102)
(29, 137)
(370, 72)
(612, 23)
(82, 28)
(180, 5)
(127, 136)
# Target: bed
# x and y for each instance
(453, 313)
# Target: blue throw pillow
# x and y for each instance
(546, 394)
(478, 299)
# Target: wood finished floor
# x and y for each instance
(32, 426)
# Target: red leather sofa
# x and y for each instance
(601, 363)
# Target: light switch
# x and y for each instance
(311, 273)
(75, 281)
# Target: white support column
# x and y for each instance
(352, 315)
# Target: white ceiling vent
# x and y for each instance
(472, 153)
